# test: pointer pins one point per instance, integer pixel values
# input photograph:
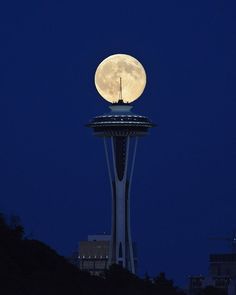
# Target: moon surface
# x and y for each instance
(120, 77)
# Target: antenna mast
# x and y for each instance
(120, 93)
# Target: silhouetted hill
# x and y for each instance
(30, 267)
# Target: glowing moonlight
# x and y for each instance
(120, 77)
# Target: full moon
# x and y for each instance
(120, 77)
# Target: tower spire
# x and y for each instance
(120, 92)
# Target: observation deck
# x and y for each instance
(120, 122)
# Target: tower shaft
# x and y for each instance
(120, 130)
(121, 250)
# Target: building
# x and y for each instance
(94, 254)
(195, 284)
(222, 274)
(223, 265)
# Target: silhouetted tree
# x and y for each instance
(163, 286)
(16, 226)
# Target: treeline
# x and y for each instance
(29, 267)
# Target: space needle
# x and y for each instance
(120, 79)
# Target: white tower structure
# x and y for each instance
(120, 79)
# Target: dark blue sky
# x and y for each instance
(53, 171)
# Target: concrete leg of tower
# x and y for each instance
(124, 249)
(121, 246)
(121, 250)
(121, 243)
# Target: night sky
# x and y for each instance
(53, 171)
